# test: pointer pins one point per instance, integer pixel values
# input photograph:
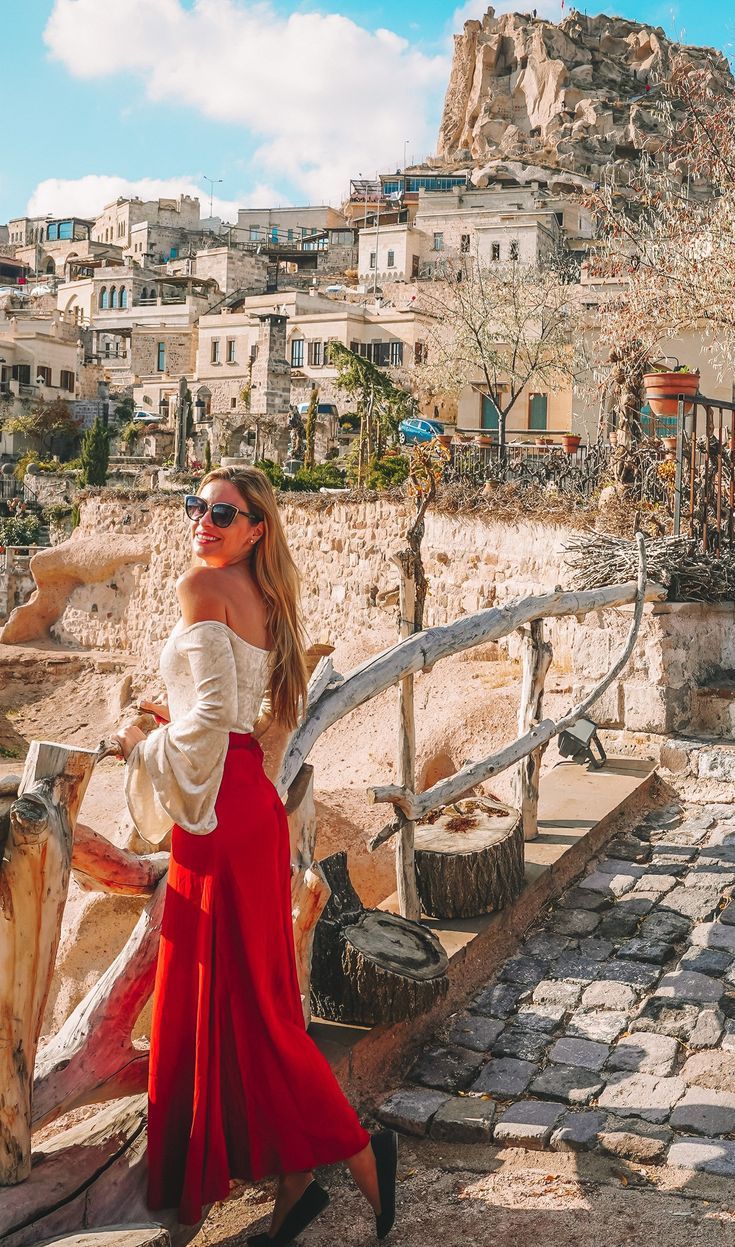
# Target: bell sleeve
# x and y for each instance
(174, 775)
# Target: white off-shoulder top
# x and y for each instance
(215, 683)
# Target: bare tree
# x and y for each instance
(502, 327)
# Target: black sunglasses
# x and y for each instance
(223, 513)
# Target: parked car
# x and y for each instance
(147, 417)
(322, 409)
(416, 429)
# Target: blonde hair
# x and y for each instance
(278, 580)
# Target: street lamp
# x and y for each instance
(212, 183)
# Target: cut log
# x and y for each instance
(98, 865)
(114, 1236)
(408, 897)
(469, 861)
(92, 1057)
(34, 880)
(371, 967)
(90, 1173)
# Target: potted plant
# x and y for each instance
(570, 442)
(663, 389)
(483, 439)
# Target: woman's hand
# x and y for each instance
(127, 737)
(158, 709)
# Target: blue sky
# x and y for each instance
(283, 102)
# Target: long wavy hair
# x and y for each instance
(278, 580)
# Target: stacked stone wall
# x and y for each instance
(344, 553)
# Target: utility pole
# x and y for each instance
(212, 183)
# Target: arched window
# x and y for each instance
(104, 299)
(123, 297)
(113, 296)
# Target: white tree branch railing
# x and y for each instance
(416, 806)
(423, 650)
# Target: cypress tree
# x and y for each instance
(95, 455)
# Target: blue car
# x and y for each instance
(416, 429)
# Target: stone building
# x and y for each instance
(116, 221)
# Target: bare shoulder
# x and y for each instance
(201, 595)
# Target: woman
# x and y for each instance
(237, 1089)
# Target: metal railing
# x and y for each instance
(704, 487)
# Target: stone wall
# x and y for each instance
(343, 551)
(180, 351)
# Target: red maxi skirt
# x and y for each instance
(237, 1089)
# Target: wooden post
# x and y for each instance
(537, 655)
(408, 897)
(34, 878)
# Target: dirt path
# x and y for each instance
(460, 1196)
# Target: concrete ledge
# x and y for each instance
(578, 813)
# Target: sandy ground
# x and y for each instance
(462, 1196)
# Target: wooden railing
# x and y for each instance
(332, 696)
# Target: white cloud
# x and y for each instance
(324, 97)
(87, 196)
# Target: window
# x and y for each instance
(495, 253)
(316, 354)
(420, 353)
(396, 354)
(328, 352)
(253, 352)
(297, 353)
(391, 259)
(355, 347)
(161, 356)
(414, 266)
(214, 356)
(254, 233)
(123, 297)
(289, 235)
(464, 243)
(373, 259)
(113, 296)
(514, 250)
(53, 232)
(274, 235)
(22, 373)
(230, 356)
(44, 373)
(66, 380)
(438, 242)
(233, 403)
(104, 299)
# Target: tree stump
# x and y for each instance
(371, 967)
(114, 1236)
(469, 860)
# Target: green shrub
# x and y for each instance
(20, 530)
(383, 473)
(43, 465)
(273, 471)
(311, 480)
(55, 512)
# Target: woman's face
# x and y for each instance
(218, 547)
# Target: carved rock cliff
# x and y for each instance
(583, 96)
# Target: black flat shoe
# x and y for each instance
(313, 1201)
(385, 1151)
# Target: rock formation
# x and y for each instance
(581, 96)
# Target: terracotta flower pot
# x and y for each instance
(444, 439)
(483, 440)
(570, 443)
(663, 390)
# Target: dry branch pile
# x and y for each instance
(689, 575)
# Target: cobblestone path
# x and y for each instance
(613, 1028)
